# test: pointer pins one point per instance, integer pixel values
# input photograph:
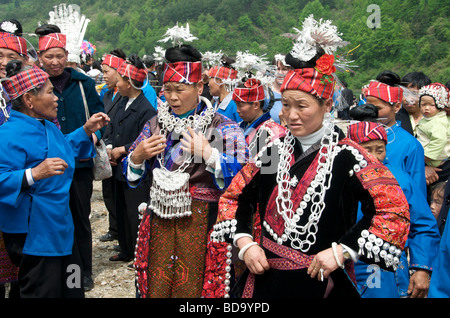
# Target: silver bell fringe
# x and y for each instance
(169, 194)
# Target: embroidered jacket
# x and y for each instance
(356, 176)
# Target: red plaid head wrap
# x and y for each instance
(25, 81)
(132, 72)
(113, 61)
(52, 40)
(390, 94)
(252, 91)
(16, 43)
(183, 72)
(366, 131)
(311, 81)
(222, 72)
(439, 92)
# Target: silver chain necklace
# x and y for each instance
(302, 237)
(169, 193)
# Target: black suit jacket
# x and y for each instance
(126, 125)
(110, 108)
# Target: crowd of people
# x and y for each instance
(232, 177)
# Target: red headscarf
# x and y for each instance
(25, 81)
(318, 81)
(183, 72)
(390, 94)
(222, 72)
(113, 61)
(366, 131)
(52, 40)
(133, 72)
(16, 43)
(252, 91)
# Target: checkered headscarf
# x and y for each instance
(252, 91)
(366, 131)
(16, 43)
(222, 72)
(25, 81)
(439, 92)
(113, 61)
(390, 94)
(132, 72)
(52, 40)
(183, 72)
(311, 81)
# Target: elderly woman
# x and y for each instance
(192, 153)
(36, 170)
(69, 87)
(306, 184)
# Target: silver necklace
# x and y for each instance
(169, 193)
(302, 237)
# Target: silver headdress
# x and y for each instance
(178, 35)
(258, 67)
(73, 24)
(212, 58)
(315, 34)
(159, 54)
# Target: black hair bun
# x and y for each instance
(119, 53)
(297, 64)
(389, 78)
(18, 27)
(13, 67)
(183, 53)
(134, 60)
(366, 112)
(47, 29)
(227, 61)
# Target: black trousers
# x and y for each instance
(45, 276)
(80, 206)
(108, 197)
(127, 201)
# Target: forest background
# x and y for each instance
(397, 35)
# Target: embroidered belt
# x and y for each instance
(290, 260)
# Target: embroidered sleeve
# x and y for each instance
(226, 224)
(233, 152)
(382, 239)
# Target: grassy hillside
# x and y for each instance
(413, 35)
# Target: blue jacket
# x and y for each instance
(406, 153)
(71, 113)
(42, 211)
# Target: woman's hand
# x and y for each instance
(325, 260)
(116, 153)
(419, 283)
(196, 144)
(254, 257)
(96, 122)
(431, 175)
(48, 168)
(148, 148)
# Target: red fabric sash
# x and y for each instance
(290, 260)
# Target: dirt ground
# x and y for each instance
(111, 279)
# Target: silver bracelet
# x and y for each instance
(333, 246)
(212, 158)
(244, 249)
